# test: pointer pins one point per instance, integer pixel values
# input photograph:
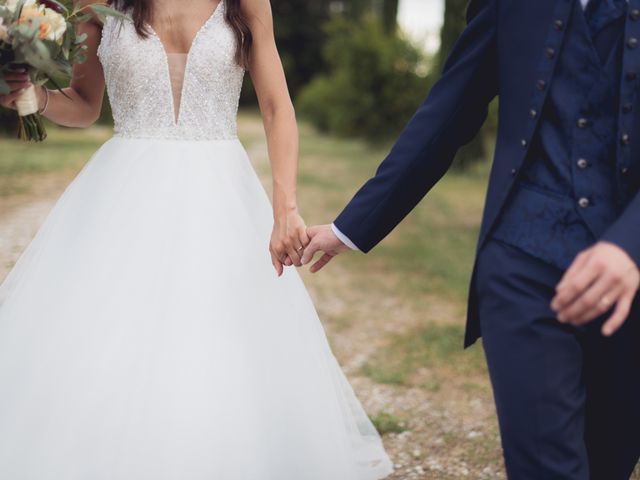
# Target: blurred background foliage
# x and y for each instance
(352, 71)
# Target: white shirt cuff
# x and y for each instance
(343, 238)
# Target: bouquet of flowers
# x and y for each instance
(40, 37)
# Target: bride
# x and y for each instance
(143, 333)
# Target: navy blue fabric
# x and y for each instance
(599, 14)
(567, 399)
(568, 160)
(510, 48)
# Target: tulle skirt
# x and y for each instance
(144, 335)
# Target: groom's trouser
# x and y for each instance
(568, 399)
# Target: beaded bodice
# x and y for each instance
(139, 85)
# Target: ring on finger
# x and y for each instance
(606, 302)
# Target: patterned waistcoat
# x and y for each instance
(567, 193)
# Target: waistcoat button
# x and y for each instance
(551, 52)
(533, 113)
(524, 143)
(558, 25)
(635, 14)
(625, 139)
(627, 107)
(541, 84)
(584, 202)
(632, 42)
(631, 76)
(582, 123)
(583, 163)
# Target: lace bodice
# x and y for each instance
(138, 78)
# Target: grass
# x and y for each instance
(387, 423)
(65, 150)
(435, 348)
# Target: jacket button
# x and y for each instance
(533, 113)
(634, 14)
(625, 139)
(584, 202)
(627, 107)
(583, 123)
(541, 85)
(582, 163)
(551, 52)
(632, 42)
(631, 76)
(558, 25)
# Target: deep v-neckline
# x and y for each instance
(176, 116)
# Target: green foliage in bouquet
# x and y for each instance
(41, 37)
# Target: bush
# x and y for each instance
(373, 86)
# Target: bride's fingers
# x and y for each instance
(304, 238)
(277, 264)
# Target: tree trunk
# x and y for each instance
(390, 15)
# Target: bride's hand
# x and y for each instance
(18, 81)
(288, 241)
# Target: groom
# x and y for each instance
(556, 277)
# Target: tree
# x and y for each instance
(301, 37)
(390, 14)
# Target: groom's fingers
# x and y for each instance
(310, 251)
(597, 300)
(573, 286)
(320, 264)
(620, 314)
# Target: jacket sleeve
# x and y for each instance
(625, 232)
(449, 118)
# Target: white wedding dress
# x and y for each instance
(144, 334)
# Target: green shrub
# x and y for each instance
(387, 423)
(373, 85)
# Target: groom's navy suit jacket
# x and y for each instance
(509, 49)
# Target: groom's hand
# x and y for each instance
(600, 278)
(322, 240)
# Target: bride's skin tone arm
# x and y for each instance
(289, 236)
(83, 101)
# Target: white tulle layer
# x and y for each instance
(144, 335)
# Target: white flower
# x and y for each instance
(57, 26)
(12, 4)
(52, 25)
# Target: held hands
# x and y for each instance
(322, 240)
(600, 278)
(288, 241)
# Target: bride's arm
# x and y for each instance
(83, 101)
(279, 119)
